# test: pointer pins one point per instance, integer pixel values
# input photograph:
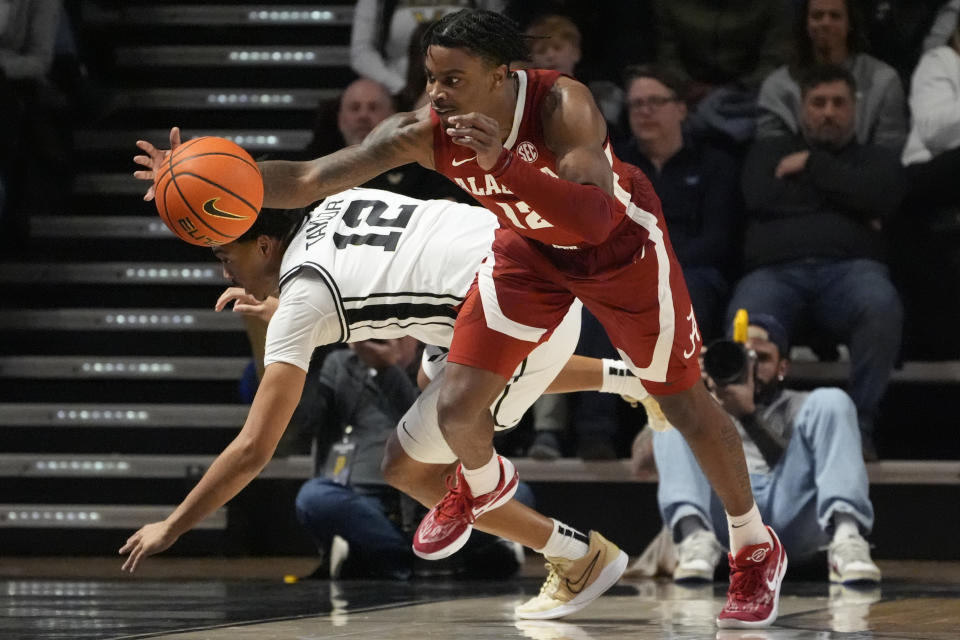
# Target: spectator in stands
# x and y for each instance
(381, 35)
(28, 31)
(944, 24)
(897, 30)
(932, 152)
(696, 182)
(725, 49)
(414, 92)
(830, 32)
(613, 34)
(363, 105)
(816, 204)
(556, 45)
(928, 229)
(803, 453)
(363, 393)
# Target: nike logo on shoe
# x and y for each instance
(457, 163)
(576, 586)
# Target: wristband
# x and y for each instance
(617, 378)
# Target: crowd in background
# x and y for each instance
(769, 206)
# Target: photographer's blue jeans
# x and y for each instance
(854, 301)
(821, 472)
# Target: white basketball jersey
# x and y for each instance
(394, 265)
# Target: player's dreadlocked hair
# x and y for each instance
(492, 36)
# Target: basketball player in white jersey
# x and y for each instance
(372, 264)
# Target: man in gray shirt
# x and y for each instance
(803, 453)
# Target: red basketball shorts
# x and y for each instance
(632, 283)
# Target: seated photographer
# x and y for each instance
(803, 453)
(348, 508)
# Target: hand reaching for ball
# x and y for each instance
(154, 158)
(246, 304)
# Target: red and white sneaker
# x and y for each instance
(446, 527)
(755, 577)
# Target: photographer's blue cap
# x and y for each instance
(775, 331)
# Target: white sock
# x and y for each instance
(845, 526)
(565, 542)
(483, 479)
(747, 529)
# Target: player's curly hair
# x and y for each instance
(275, 223)
(493, 36)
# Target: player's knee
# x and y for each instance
(456, 406)
(466, 395)
(832, 406)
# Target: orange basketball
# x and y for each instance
(209, 191)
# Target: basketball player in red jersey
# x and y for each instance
(531, 146)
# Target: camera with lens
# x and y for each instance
(728, 362)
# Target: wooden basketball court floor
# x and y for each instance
(916, 601)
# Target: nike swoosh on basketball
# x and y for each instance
(457, 163)
(210, 208)
(576, 586)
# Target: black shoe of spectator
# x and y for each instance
(546, 446)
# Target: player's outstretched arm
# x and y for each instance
(400, 139)
(240, 462)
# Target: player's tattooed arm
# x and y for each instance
(400, 139)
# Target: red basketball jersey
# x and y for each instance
(526, 140)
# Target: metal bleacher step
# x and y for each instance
(76, 227)
(947, 371)
(112, 184)
(117, 367)
(236, 56)
(114, 415)
(119, 320)
(94, 516)
(42, 465)
(250, 139)
(121, 273)
(204, 99)
(894, 472)
(286, 15)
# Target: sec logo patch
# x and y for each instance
(527, 151)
